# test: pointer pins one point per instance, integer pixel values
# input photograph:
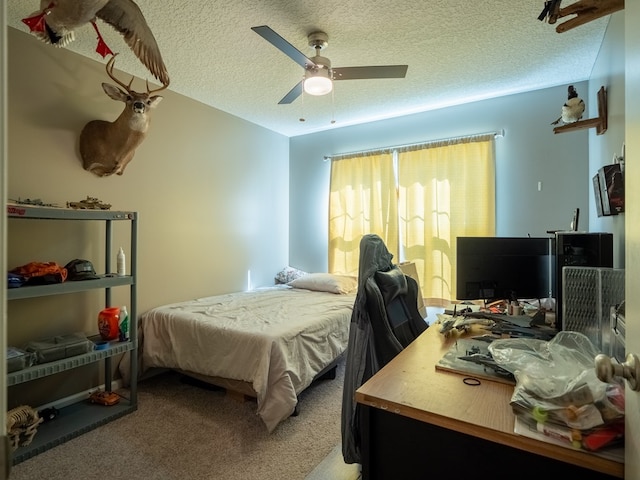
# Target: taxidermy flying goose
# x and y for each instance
(573, 108)
(56, 21)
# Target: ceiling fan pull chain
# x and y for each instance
(302, 119)
(333, 107)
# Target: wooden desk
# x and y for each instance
(419, 422)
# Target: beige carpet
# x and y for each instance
(183, 432)
(334, 468)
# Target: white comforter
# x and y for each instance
(276, 338)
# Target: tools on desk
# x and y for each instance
(500, 324)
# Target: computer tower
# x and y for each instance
(575, 249)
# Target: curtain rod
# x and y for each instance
(498, 134)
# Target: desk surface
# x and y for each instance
(411, 386)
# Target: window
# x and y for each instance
(418, 199)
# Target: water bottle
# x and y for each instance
(121, 265)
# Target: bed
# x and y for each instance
(269, 343)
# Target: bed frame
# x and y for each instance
(243, 391)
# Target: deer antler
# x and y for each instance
(109, 69)
(156, 89)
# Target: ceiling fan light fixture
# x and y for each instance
(318, 83)
(319, 75)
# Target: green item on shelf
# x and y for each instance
(124, 325)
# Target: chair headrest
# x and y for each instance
(391, 283)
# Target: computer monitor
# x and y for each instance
(503, 268)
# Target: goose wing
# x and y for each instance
(127, 18)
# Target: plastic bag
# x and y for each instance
(556, 381)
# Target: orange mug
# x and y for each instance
(108, 323)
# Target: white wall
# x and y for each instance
(608, 71)
(529, 153)
(211, 191)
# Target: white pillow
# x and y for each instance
(326, 282)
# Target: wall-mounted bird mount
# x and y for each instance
(56, 21)
(585, 11)
(572, 109)
(599, 123)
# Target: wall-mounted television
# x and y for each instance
(503, 268)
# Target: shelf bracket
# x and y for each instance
(599, 123)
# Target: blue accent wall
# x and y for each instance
(529, 153)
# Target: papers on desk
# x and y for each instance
(452, 361)
(528, 428)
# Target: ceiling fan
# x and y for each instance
(319, 75)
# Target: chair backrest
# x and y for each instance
(392, 301)
(411, 270)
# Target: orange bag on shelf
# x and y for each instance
(41, 273)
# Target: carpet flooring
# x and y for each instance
(183, 432)
(334, 468)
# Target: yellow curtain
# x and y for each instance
(362, 199)
(446, 190)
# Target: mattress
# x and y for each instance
(276, 339)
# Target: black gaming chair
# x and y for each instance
(385, 320)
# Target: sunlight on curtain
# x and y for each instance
(446, 190)
(362, 199)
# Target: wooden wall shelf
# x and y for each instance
(584, 11)
(599, 123)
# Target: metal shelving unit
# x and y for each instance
(67, 287)
(51, 368)
(80, 417)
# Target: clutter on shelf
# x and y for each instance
(22, 425)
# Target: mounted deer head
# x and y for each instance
(107, 147)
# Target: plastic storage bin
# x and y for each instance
(59, 347)
(17, 359)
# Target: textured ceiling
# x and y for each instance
(457, 51)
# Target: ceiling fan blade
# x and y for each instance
(360, 73)
(294, 93)
(285, 47)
